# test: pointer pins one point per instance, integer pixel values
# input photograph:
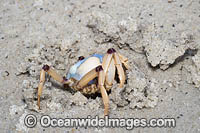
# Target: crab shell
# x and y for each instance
(82, 67)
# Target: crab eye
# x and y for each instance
(81, 58)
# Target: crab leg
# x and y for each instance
(120, 70)
(110, 75)
(104, 94)
(107, 59)
(52, 73)
(124, 60)
(41, 84)
(87, 78)
(98, 71)
(55, 75)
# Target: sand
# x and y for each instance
(159, 38)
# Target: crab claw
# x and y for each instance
(88, 77)
(107, 59)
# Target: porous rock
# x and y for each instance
(194, 70)
(142, 37)
(141, 91)
(79, 99)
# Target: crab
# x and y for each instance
(95, 73)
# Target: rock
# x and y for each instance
(141, 92)
(79, 99)
(117, 96)
(104, 27)
(94, 104)
(194, 70)
(165, 51)
(142, 37)
(122, 33)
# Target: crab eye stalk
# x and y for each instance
(111, 50)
